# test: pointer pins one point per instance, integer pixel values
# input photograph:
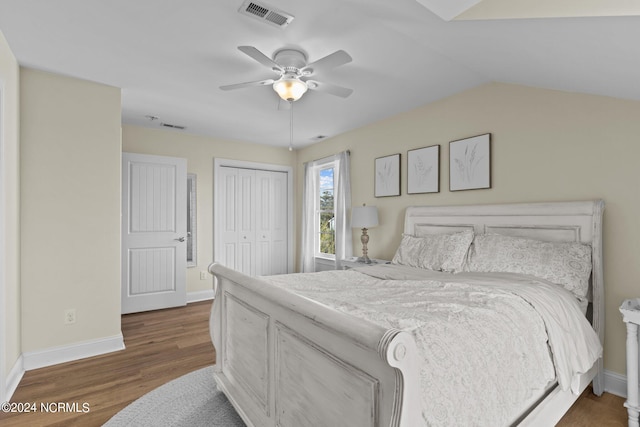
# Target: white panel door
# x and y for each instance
(246, 216)
(252, 210)
(280, 224)
(154, 229)
(263, 201)
(271, 223)
(226, 208)
(237, 217)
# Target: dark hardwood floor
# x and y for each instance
(166, 344)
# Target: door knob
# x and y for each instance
(180, 239)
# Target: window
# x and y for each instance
(325, 213)
(191, 221)
(326, 235)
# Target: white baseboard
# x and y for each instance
(615, 383)
(71, 352)
(200, 296)
(13, 379)
(68, 353)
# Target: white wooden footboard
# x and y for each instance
(284, 360)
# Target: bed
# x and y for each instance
(291, 351)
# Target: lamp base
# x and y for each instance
(364, 239)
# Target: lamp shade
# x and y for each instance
(290, 88)
(364, 217)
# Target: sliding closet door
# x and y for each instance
(252, 225)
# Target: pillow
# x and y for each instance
(439, 252)
(408, 252)
(564, 263)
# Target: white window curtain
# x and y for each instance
(308, 262)
(342, 203)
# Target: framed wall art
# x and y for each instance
(387, 176)
(423, 170)
(470, 163)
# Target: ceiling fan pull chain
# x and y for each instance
(290, 125)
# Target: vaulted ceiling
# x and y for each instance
(170, 57)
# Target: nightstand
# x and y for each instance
(352, 262)
(630, 310)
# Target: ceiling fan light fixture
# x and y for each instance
(290, 88)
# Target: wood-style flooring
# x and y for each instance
(166, 344)
(160, 346)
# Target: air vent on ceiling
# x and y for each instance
(266, 13)
(169, 125)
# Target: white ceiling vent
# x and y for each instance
(266, 13)
(169, 125)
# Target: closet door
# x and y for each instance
(237, 210)
(226, 210)
(271, 223)
(246, 215)
(251, 223)
(280, 224)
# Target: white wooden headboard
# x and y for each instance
(554, 221)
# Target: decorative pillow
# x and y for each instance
(564, 263)
(408, 252)
(439, 252)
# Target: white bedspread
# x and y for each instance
(482, 337)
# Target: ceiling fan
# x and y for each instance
(295, 73)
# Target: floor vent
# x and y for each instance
(266, 13)
(169, 125)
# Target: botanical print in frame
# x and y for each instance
(423, 170)
(470, 163)
(387, 179)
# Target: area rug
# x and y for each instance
(191, 400)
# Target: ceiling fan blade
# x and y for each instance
(330, 61)
(336, 90)
(260, 57)
(247, 84)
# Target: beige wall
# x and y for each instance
(70, 209)
(9, 218)
(200, 152)
(547, 146)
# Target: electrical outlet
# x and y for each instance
(203, 275)
(70, 316)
